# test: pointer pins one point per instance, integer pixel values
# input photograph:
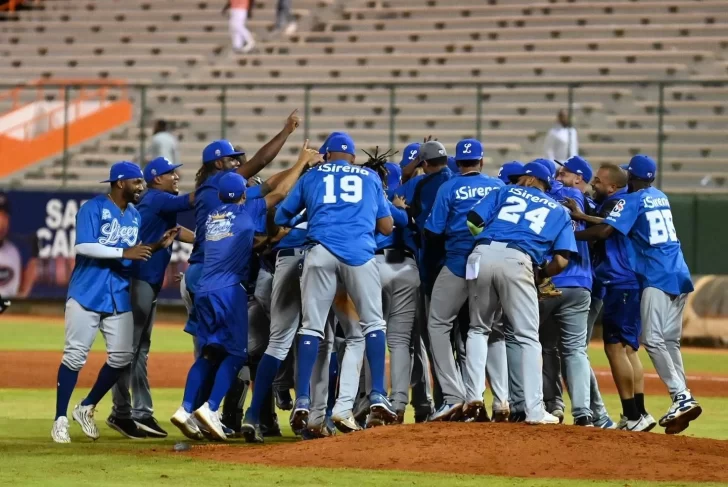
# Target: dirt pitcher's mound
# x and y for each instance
(500, 449)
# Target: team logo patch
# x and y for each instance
(344, 146)
(413, 154)
(466, 148)
(217, 152)
(619, 206)
(154, 172)
(218, 226)
(105, 214)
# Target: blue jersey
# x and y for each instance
(528, 219)
(645, 217)
(102, 285)
(579, 271)
(229, 233)
(611, 256)
(449, 215)
(400, 221)
(297, 235)
(343, 203)
(206, 201)
(158, 211)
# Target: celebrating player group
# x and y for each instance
(305, 280)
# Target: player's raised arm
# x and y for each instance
(306, 158)
(270, 150)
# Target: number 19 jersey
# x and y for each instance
(656, 257)
(526, 218)
(343, 203)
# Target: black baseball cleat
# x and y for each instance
(151, 427)
(127, 427)
(271, 428)
(517, 417)
(284, 401)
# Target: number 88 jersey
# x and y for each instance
(525, 217)
(656, 257)
(343, 203)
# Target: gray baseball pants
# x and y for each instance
(399, 295)
(82, 326)
(500, 277)
(144, 308)
(596, 403)
(564, 322)
(661, 316)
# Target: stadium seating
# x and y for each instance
(360, 44)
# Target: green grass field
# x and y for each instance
(29, 457)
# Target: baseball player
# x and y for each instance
(576, 173)
(621, 320)
(158, 208)
(336, 194)
(515, 228)
(644, 217)
(563, 319)
(447, 226)
(107, 228)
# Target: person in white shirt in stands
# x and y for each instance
(561, 142)
(164, 144)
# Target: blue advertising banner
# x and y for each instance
(37, 238)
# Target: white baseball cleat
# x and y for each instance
(186, 424)
(650, 421)
(210, 419)
(547, 418)
(59, 432)
(447, 412)
(638, 425)
(684, 409)
(84, 416)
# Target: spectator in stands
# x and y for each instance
(164, 144)
(241, 38)
(561, 141)
(284, 19)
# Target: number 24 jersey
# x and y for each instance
(656, 257)
(527, 218)
(343, 203)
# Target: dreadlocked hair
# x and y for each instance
(203, 173)
(377, 163)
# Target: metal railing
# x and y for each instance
(219, 95)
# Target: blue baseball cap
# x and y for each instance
(577, 165)
(507, 169)
(231, 187)
(322, 149)
(548, 164)
(642, 167)
(123, 170)
(394, 175)
(469, 150)
(535, 169)
(157, 167)
(341, 143)
(409, 153)
(217, 149)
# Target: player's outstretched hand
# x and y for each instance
(168, 237)
(138, 252)
(292, 122)
(308, 156)
(399, 202)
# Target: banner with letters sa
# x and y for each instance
(37, 245)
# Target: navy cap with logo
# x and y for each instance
(508, 169)
(124, 170)
(577, 165)
(469, 150)
(341, 143)
(157, 167)
(535, 169)
(231, 187)
(642, 167)
(218, 149)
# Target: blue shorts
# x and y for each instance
(223, 319)
(192, 277)
(621, 317)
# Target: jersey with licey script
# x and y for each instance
(343, 203)
(527, 218)
(455, 198)
(102, 285)
(656, 257)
